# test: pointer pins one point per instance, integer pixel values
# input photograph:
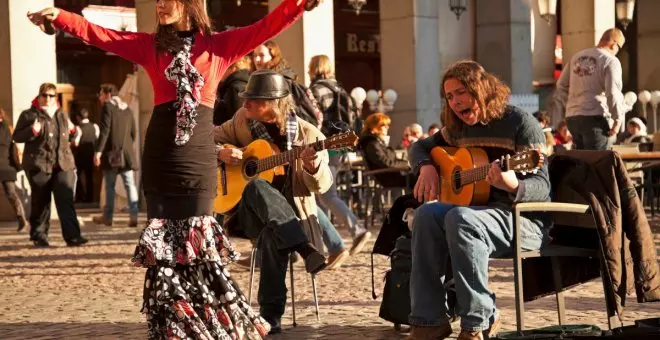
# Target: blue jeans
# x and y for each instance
(131, 191)
(469, 236)
(331, 201)
(331, 237)
(590, 132)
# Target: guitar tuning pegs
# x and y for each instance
(535, 171)
(523, 173)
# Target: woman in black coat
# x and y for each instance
(8, 168)
(378, 155)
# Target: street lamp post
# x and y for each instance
(357, 5)
(547, 9)
(378, 100)
(624, 11)
(458, 7)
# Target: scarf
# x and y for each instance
(259, 131)
(188, 83)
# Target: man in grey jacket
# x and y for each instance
(589, 91)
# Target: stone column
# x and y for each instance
(147, 21)
(409, 48)
(648, 46)
(456, 37)
(543, 47)
(504, 41)
(583, 22)
(27, 59)
(27, 56)
(311, 35)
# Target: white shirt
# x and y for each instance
(591, 85)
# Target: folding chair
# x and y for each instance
(253, 264)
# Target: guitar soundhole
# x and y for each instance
(251, 168)
(456, 180)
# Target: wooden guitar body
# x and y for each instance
(264, 160)
(449, 163)
(239, 176)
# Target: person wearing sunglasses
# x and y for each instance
(49, 165)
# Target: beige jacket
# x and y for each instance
(237, 133)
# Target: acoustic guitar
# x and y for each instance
(463, 172)
(262, 159)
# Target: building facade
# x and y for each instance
(392, 44)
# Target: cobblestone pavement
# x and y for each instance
(92, 292)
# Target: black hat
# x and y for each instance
(266, 84)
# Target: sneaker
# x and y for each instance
(430, 332)
(76, 241)
(337, 259)
(314, 263)
(100, 220)
(359, 242)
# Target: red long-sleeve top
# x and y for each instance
(211, 55)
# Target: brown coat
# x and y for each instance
(305, 185)
(599, 178)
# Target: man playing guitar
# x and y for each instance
(277, 214)
(475, 114)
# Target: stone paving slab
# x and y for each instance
(93, 292)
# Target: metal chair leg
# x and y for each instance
(293, 294)
(316, 298)
(557, 280)
(253, 264)
(517, 275)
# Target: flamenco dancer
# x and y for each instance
(188, 291)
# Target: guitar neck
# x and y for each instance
(286, 157)
(474, 175)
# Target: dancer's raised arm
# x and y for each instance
(132, 46)
(238, 42)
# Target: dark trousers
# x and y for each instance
(589, 132)
(85, 183)
(61, 185)
(266, 216)
(12, 196)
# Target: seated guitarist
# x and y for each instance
(276, 215)
(475, 114)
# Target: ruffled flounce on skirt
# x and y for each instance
(188, 291)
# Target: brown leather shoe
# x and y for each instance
(359, 242)
(494, 328)
(133, 222)
(245, 263)
(100, 220)
(314, 263)
(337, 259)
(470, 335)
(429, 332)
(490, 333)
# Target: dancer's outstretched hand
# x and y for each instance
(310, 4)
(43, 19)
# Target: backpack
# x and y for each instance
(306, 106)
(342, 112)
(395, 241)
(395, 306)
